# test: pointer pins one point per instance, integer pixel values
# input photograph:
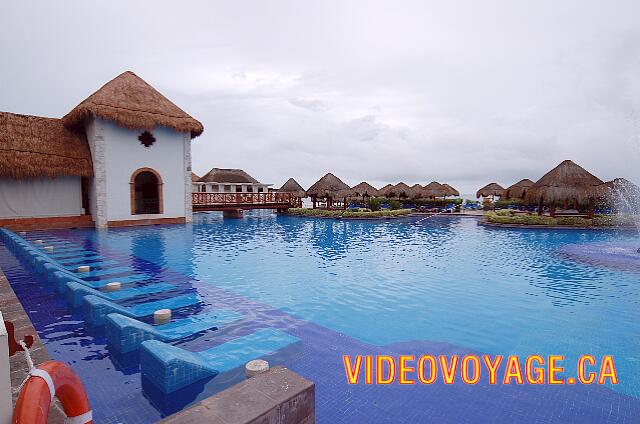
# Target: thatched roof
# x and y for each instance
(33, 146)
(450, 190)
(402, 190)
(417, 191)
(132, 103)
(518, 190)
(435, 189)
(194, 177)
(292, 186)
(361, 190)
(566, 181)
(227, 176)
(618, 189)
(387, 191)
(491, 189)
(328, 186)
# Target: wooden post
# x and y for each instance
(591, 209)
(552, 210)
(540, 207)
(313, 200)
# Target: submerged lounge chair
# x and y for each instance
(170, 368)
(96, 308)
(126, 334)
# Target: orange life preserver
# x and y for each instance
(52, 379)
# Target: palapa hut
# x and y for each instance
(451, 191)
(518, 190)
(362, 191)
(402, 191)
(491, 190)
(566, 183)
(387, 191)
(292, 186)
(435, 189)
(120, 157)
(194, 177)
(417, 191)
(328, 187)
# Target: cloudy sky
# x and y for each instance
(465, 92)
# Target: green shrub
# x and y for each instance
(374, 203)
(394, 205)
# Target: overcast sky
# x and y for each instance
(464, 92)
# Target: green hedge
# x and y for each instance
(348, 213)
(509, 217)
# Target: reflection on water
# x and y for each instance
(445, 279)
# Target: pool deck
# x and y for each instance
(13, 311)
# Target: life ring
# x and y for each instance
(52, 379)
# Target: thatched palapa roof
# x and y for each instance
(518, 190)
(292, 186)
(328, 186)
(132, 103)
(491, 189)
(33, 146)
(417, 191)
(361, 190)
(451, 191)
(566, 181)
(387, 191)
(227, 176)
(402, 190)
(435, 189)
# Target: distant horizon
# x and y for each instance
(462, 93)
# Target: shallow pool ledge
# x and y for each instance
(276, 396)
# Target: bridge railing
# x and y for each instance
(211, 199)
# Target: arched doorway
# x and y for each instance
(146, 192)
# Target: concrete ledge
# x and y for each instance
(46, 223)
(278, 396)
(146, 221)
(552, 227)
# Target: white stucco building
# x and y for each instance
(224, 180)
(121, 157)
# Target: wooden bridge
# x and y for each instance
(235, 201)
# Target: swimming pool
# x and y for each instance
(445, 285)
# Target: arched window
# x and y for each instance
(146, 192)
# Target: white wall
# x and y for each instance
(123, 154)
(37, 197)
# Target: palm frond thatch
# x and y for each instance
(491, 189)
(417, 191)
(451, 191)
(364, 189)
(435, 189)
(33, 146)
(132, 103)
(227, 176)
(518, 190)
(402, 190)
(328, 186)
(292, 186)
(566, 182)
(387, 191)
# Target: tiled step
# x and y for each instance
(125, 334)
(170, 368)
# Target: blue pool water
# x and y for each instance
(442, 286)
